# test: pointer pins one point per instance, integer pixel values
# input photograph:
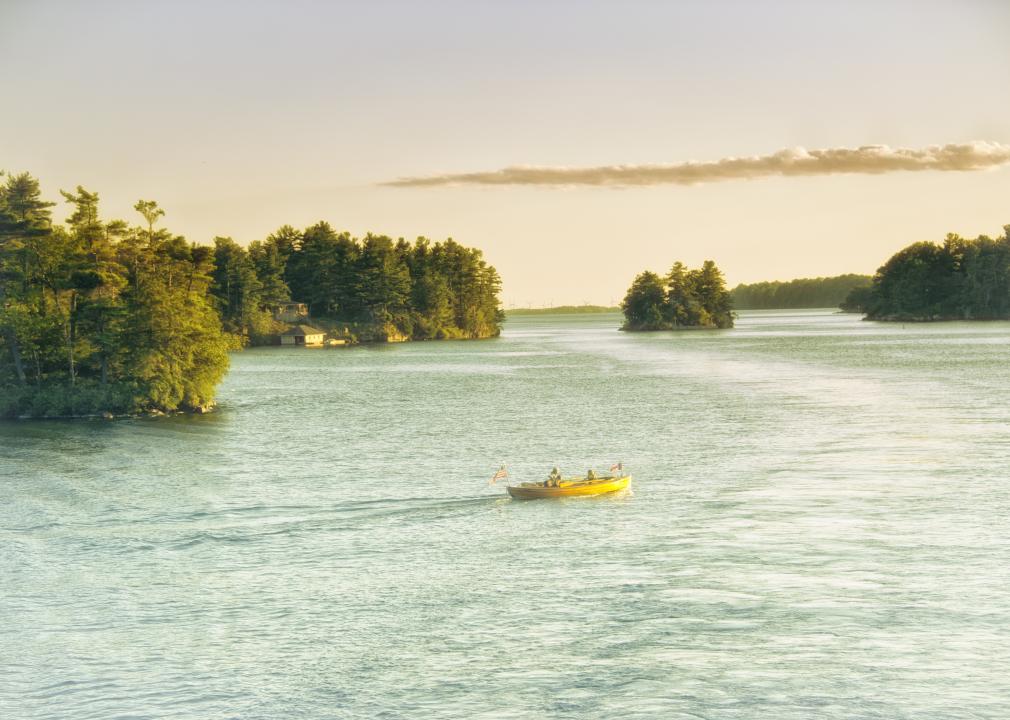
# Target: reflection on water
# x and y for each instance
(817, 529)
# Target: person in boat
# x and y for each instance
(554, 478)
(591, 475)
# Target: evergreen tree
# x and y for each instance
(24, 219)
(645, 302)
(709, 288)
(682, 305)
(236, 287)
(382, 281)
(269, 261)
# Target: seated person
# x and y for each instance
(591, 475)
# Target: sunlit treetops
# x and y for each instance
(684, 298)
(958, 279)
(107, 316)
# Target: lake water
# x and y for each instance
(818, 528)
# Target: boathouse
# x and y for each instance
(303, 335)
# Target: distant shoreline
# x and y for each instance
(563, 310)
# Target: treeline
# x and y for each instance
(102, 316)
(421, 290)
(683, 298)
(564, 310)
(821, 292)
(959, 279)
(106, 316)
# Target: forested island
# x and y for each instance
(377, 287)
(104, 317)
(958, 279)
(820, 292)
(683, 298)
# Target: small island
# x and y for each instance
(104, 318)
(682, 299)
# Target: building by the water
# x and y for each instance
(303, 335)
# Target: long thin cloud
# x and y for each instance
(791, 162)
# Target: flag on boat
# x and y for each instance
(500, 475)
(617, 467)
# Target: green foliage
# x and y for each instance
(684, 298)
(100, 316)
(393, 288)
(236, 287)
(645, 303)
(821, 292)
(959, 279)
(57, 400)
(858, 299)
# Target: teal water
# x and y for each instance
(817, 529)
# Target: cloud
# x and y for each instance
(791, 162)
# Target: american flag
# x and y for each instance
(500, 475)
(617, 466)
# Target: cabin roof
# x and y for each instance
(302, 330)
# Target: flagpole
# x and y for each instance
(502, 474)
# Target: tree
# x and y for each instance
(709, 287)
(681, 302)
(24, 219)
(915, 283)
(94, 286)
(151, 212)
(382, 280)
(858, 300)
(268, 261)
(644, 303)
(235, 286)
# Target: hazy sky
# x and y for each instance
(239, 117)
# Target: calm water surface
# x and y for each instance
(818, 529)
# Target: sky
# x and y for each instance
(575, 143)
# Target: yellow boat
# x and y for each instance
(569, 487)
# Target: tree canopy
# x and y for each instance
(820, 292)
(421, 290)
(960, 278)
(101, 315)
(683, 298)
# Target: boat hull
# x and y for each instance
(569, 488)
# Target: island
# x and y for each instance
(682, 299)
(958, 279)
(103, 317)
